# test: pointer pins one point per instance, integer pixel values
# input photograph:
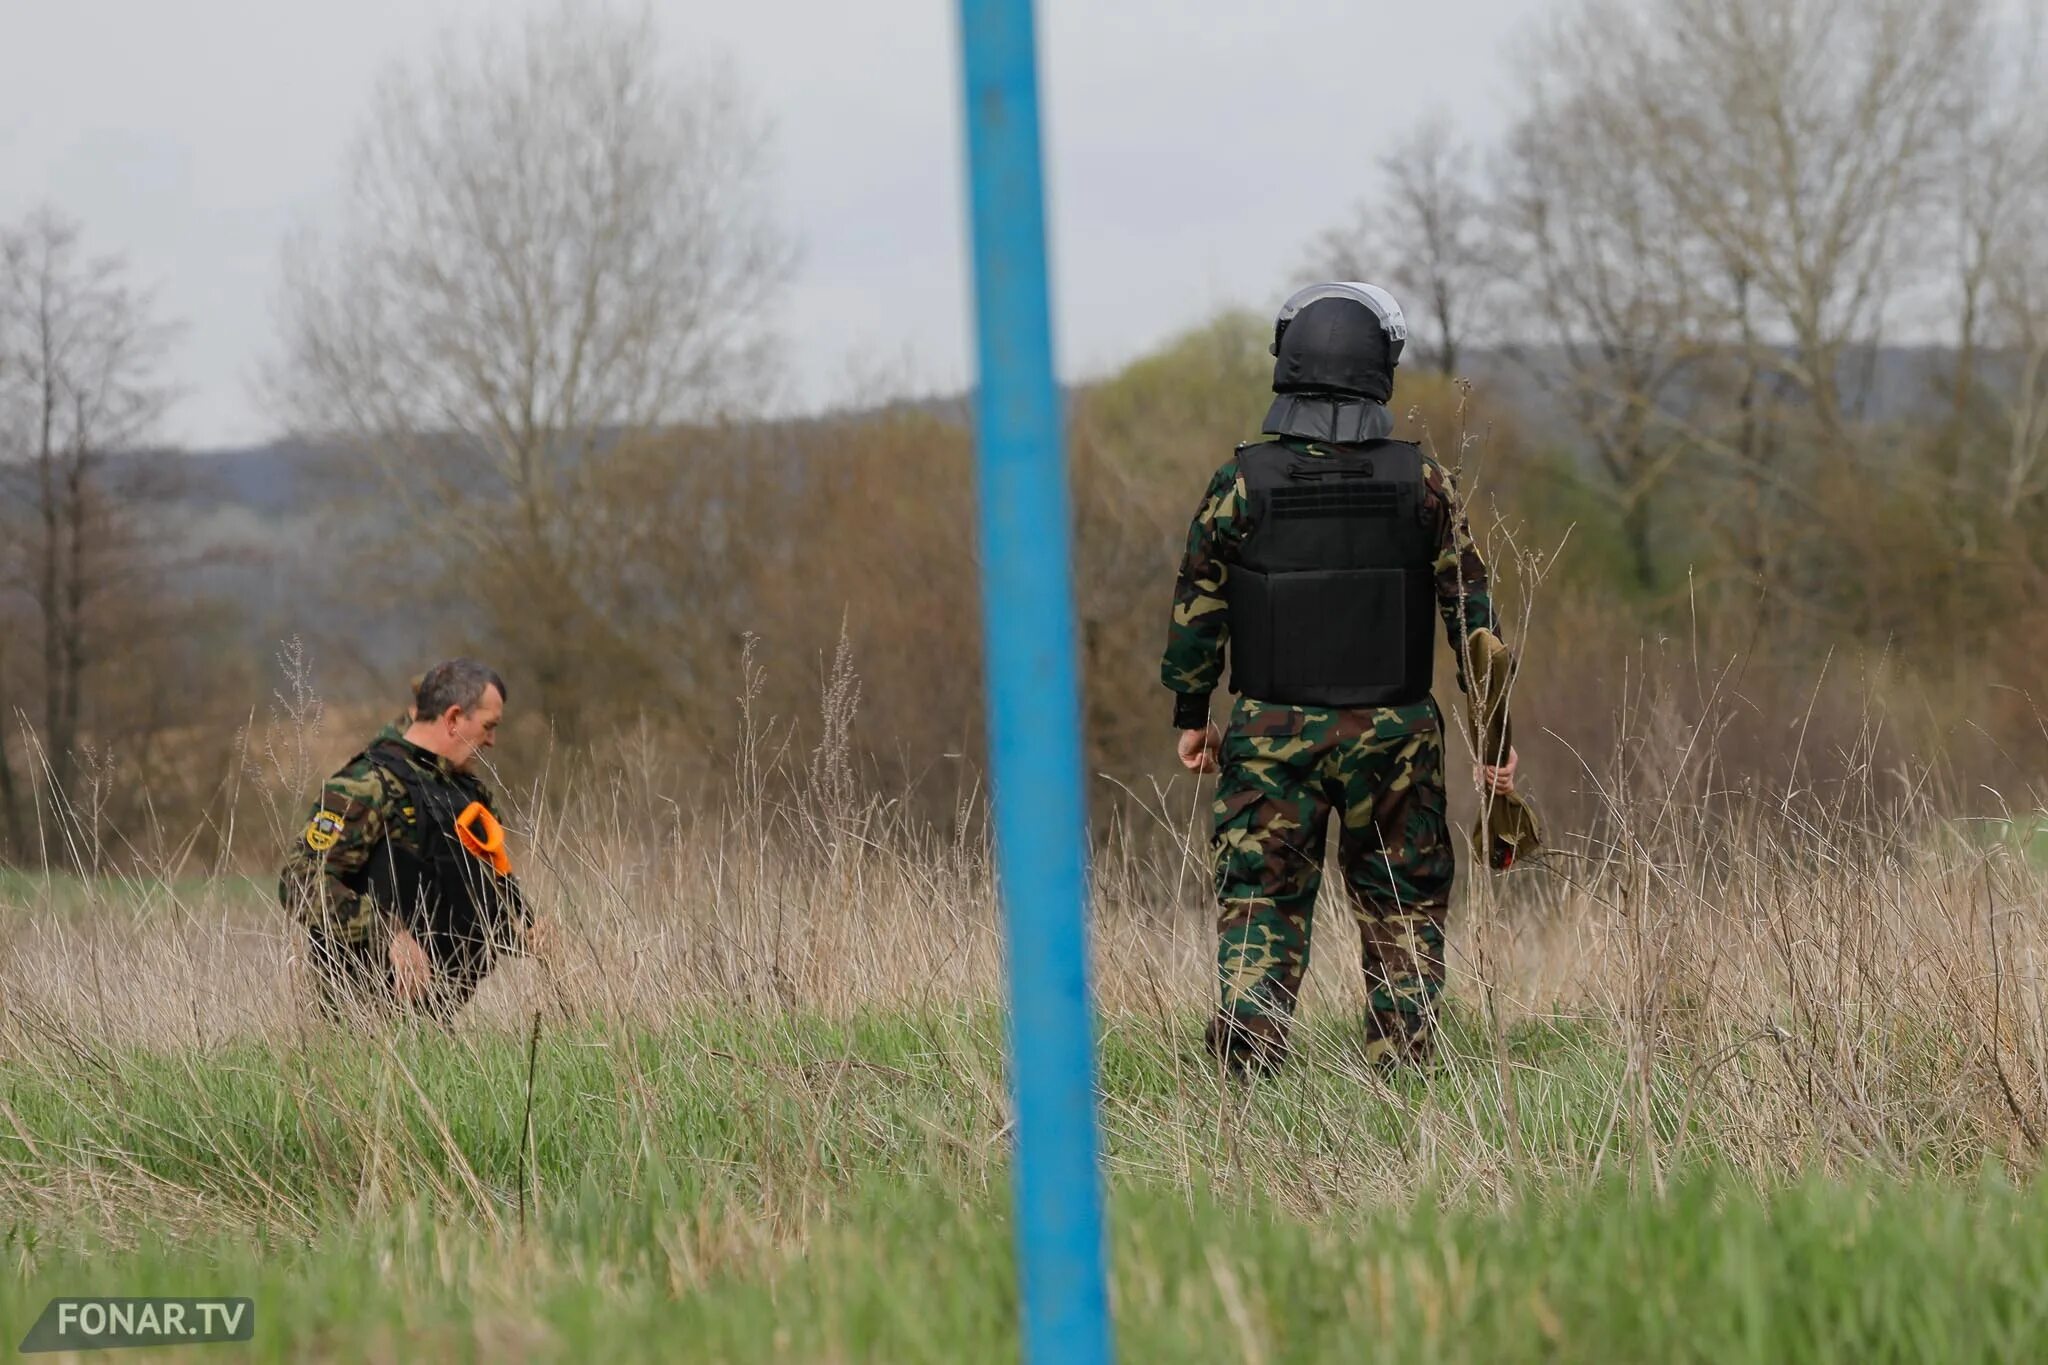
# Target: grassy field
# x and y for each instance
(1734, 1078)
(792, 1187)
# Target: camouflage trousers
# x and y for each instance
(1285, 771)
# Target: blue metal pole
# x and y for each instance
(1034, 718)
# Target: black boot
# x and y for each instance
(1247, 1046)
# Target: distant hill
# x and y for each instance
(271, 528)
(255, 494)
(264, 528)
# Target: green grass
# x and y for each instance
(919, 1271)
(2026, 836)
(272, 1133)
(70, 896)
(792, 1187)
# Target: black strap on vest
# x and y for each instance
(1332, 592)
(456, 906)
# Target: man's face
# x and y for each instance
(474, 730)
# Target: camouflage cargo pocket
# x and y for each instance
(1433, 856)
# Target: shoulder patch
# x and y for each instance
(323, 830)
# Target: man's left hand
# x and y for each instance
(1496, 780)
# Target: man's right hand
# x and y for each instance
(1199, 749)
(411, 973)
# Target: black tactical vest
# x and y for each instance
(456, 905)
(1332, 592)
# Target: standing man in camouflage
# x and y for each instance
(401, 878)
(1317, 559)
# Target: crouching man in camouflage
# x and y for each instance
(401, 877)
(1318, 559)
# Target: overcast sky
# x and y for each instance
(1195, 146)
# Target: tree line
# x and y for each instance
(534, 348)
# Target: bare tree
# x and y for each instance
(1995, 201)
(551, 248)
(1424, 236)
(2017, 307)
(1803, 140)
(80, 380)
(1610, 319)
(1799, 156)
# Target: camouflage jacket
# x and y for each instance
(1200, 630)
(325, 882)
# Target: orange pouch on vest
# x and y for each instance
(482, 835)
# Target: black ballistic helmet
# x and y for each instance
(1339, 338)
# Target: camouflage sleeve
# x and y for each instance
(325, 879)
(1464, 589)
(1200, 629)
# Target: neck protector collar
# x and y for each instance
(1338, 419)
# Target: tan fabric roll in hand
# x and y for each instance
(1508, 830)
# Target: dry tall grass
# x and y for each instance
(1780, 979)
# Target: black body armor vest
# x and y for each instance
(1332, 592)
(458, 907)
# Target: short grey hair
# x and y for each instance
(459, 682)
